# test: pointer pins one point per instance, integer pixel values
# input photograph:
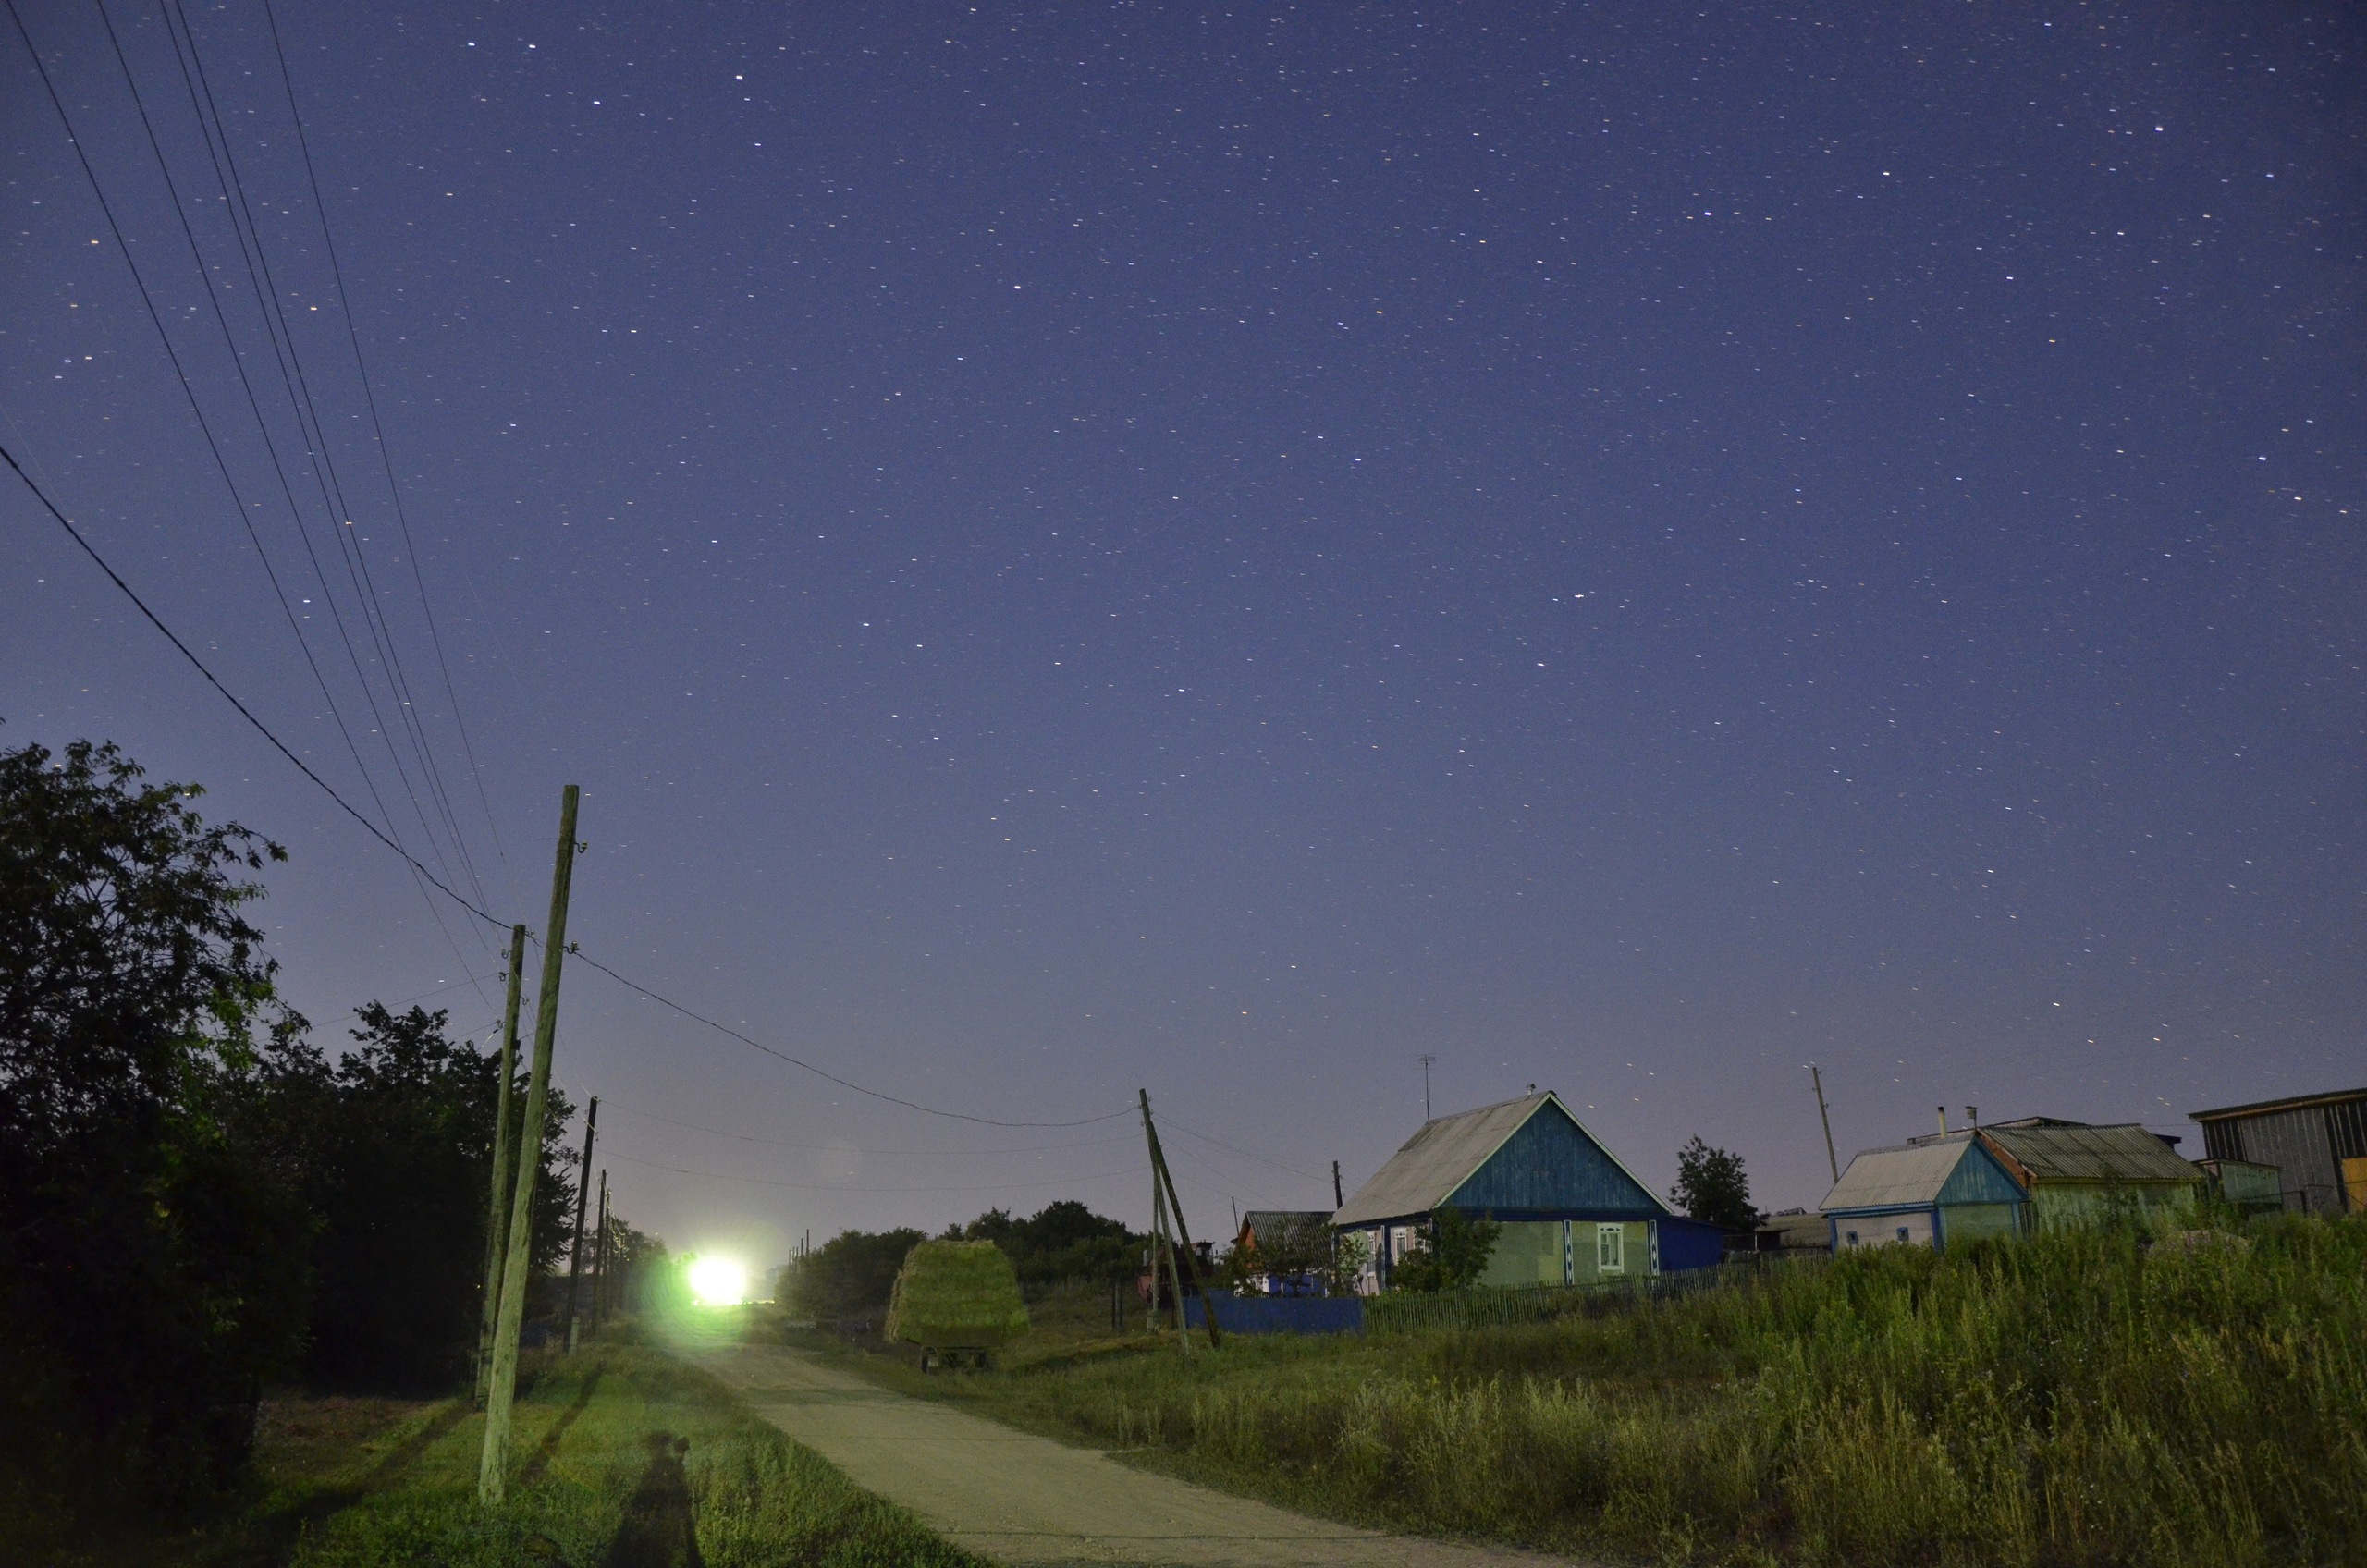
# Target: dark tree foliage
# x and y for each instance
(1711, 1186)
(150, 1253)
(400, 1163)
(1061, 1241)
(851, 1274)
(1454, 1255)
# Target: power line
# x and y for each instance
(795, 1144)
(298, 386)
(842, 1083)
(827, 1187)
(370, 400)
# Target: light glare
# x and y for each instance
(718, 1282)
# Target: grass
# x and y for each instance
(600, 1478)
(2083, 1398)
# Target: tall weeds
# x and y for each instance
(2074, 1399)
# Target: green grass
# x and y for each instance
(2078, 1399)
(597, 1479)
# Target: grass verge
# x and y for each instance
(625, 1458)
(2086, 1399)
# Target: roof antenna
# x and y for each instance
(1972, 1117)
(1427, 1059)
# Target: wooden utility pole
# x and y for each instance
(583, 1202)
(1174, 1280)
(1338, 1203)
(493, 1465)
(1823, 1115)
(600, 1255)
(497, 1218)
(1175, 1206)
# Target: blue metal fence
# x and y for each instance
(1280, 1314)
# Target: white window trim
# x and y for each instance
(1610, 1248)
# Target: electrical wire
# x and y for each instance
(370, 400)
(244, 711)
(793, 1144)
(828, 1188)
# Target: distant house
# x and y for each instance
(1281, 1228)
(1925, 1194)
(2077, 1174)
(2317, 1142)
(1571, 1213)
(1791, 1231)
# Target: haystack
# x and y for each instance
(956, 1295)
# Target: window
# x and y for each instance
(1902, 1232)
(1853, 1238)
(1611, 1249)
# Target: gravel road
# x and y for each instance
(1025, 1499)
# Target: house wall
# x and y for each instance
(1971, 1221)
(1881, 1230)
(2056, 1205)
(1528, 1252)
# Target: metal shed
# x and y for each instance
(2317, 1142)
(1571, 1213)
(1928, 1193)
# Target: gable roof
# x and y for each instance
(1270, 1220)
(1438, 1160)
(2127, 1153)
(1949, 1168)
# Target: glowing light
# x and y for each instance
(718, 1282)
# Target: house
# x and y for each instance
(2077, 1174)
(1290, 1236)
(1791, 1231)
(1928, 1193)
(2317, 1142)
(1571, 1213)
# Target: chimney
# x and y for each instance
(1944, 1120)
(1972, 1117)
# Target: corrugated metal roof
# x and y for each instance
(2257, 1107)
(1885, 1178)
(2127, 1153)
(1436, 1160)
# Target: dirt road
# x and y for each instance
(1025, 1499)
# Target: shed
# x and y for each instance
(1278, 1241)
(2247, 1185)
(2317, 1142)
(1928, 1193)
(2077, 1174)
(1572, 1214)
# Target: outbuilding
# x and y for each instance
(1571, 1212)
(2076, 1175)
(1928, 1192)
(2317, 1142)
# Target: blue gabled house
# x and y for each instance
(1926, 1194)
(1572, 1214)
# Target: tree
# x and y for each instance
(1711, 1186)
(400, 1163)
(1454, 1255)
(1064, 1240)
(151, 1247)
(851, 1274)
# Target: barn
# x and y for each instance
(2317, 1142)
(1572, 1214)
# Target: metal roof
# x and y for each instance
(1435, 1161)
(1898, 1177)
(2127, 1153)
(1254, 1220)
(2299, 1102)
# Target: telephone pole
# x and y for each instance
(497, 1218)
(1338, 1203)
(600, 1255)
(582, 1197)
(1161, 1174)
(1823, 1115)
(493, 1465)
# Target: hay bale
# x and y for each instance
(956, 1295)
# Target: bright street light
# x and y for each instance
(718, 1282)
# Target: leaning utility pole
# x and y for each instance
(493, 1465)
(496, 1219)
(1830, 1160)
(1175, 1206)
(600, 1256)
(582, 1200)
(1338, 1203)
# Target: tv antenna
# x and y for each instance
(1426, 1060)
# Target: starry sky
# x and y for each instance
(1090, 547)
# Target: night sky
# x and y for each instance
(1082, 548)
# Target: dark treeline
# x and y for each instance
(851, 1274)
(193, 1197)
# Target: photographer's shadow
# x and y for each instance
(658, 1530)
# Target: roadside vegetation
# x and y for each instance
(631, 1460)
(2095, 1398)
